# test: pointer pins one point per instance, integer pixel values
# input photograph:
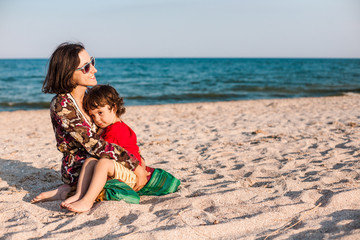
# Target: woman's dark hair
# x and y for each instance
(101, 95)
(61, 67)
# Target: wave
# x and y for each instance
(12, 106)
(293, 90)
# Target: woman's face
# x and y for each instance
(85, 79)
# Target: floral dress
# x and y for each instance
(76, 138)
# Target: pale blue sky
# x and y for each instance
(182, 28)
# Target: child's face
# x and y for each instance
(103, 116)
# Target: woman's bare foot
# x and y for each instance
(58, 194)
(80, 206)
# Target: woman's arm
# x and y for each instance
(98, 133)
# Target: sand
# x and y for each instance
(264, 169)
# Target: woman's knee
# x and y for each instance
(90, 160)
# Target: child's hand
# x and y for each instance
(141, 179)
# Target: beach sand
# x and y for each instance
(264, 169)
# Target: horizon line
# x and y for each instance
(42, 58)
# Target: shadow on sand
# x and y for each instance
(24, 177)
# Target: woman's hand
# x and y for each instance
(141, 177)
(143, 164)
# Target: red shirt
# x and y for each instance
(122, 135)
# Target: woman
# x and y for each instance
(71, 71)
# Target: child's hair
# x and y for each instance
(101, 95)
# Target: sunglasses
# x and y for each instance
(86, 68)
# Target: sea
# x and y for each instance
(147, 81)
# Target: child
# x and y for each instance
(105, 107)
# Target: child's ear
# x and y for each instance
(114, 108)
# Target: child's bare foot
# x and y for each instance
(79, 206)
(58, 194)
(71, 199)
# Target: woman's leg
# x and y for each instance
(58, 194)
(86, 173)
(104, 168)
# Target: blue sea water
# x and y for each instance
(181, 80)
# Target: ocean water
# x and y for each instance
(181, 80)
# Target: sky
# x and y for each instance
(182, 28)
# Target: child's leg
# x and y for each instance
(124, 174)
(86, 173)
(104, 168)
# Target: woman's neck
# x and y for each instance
(78, 94)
